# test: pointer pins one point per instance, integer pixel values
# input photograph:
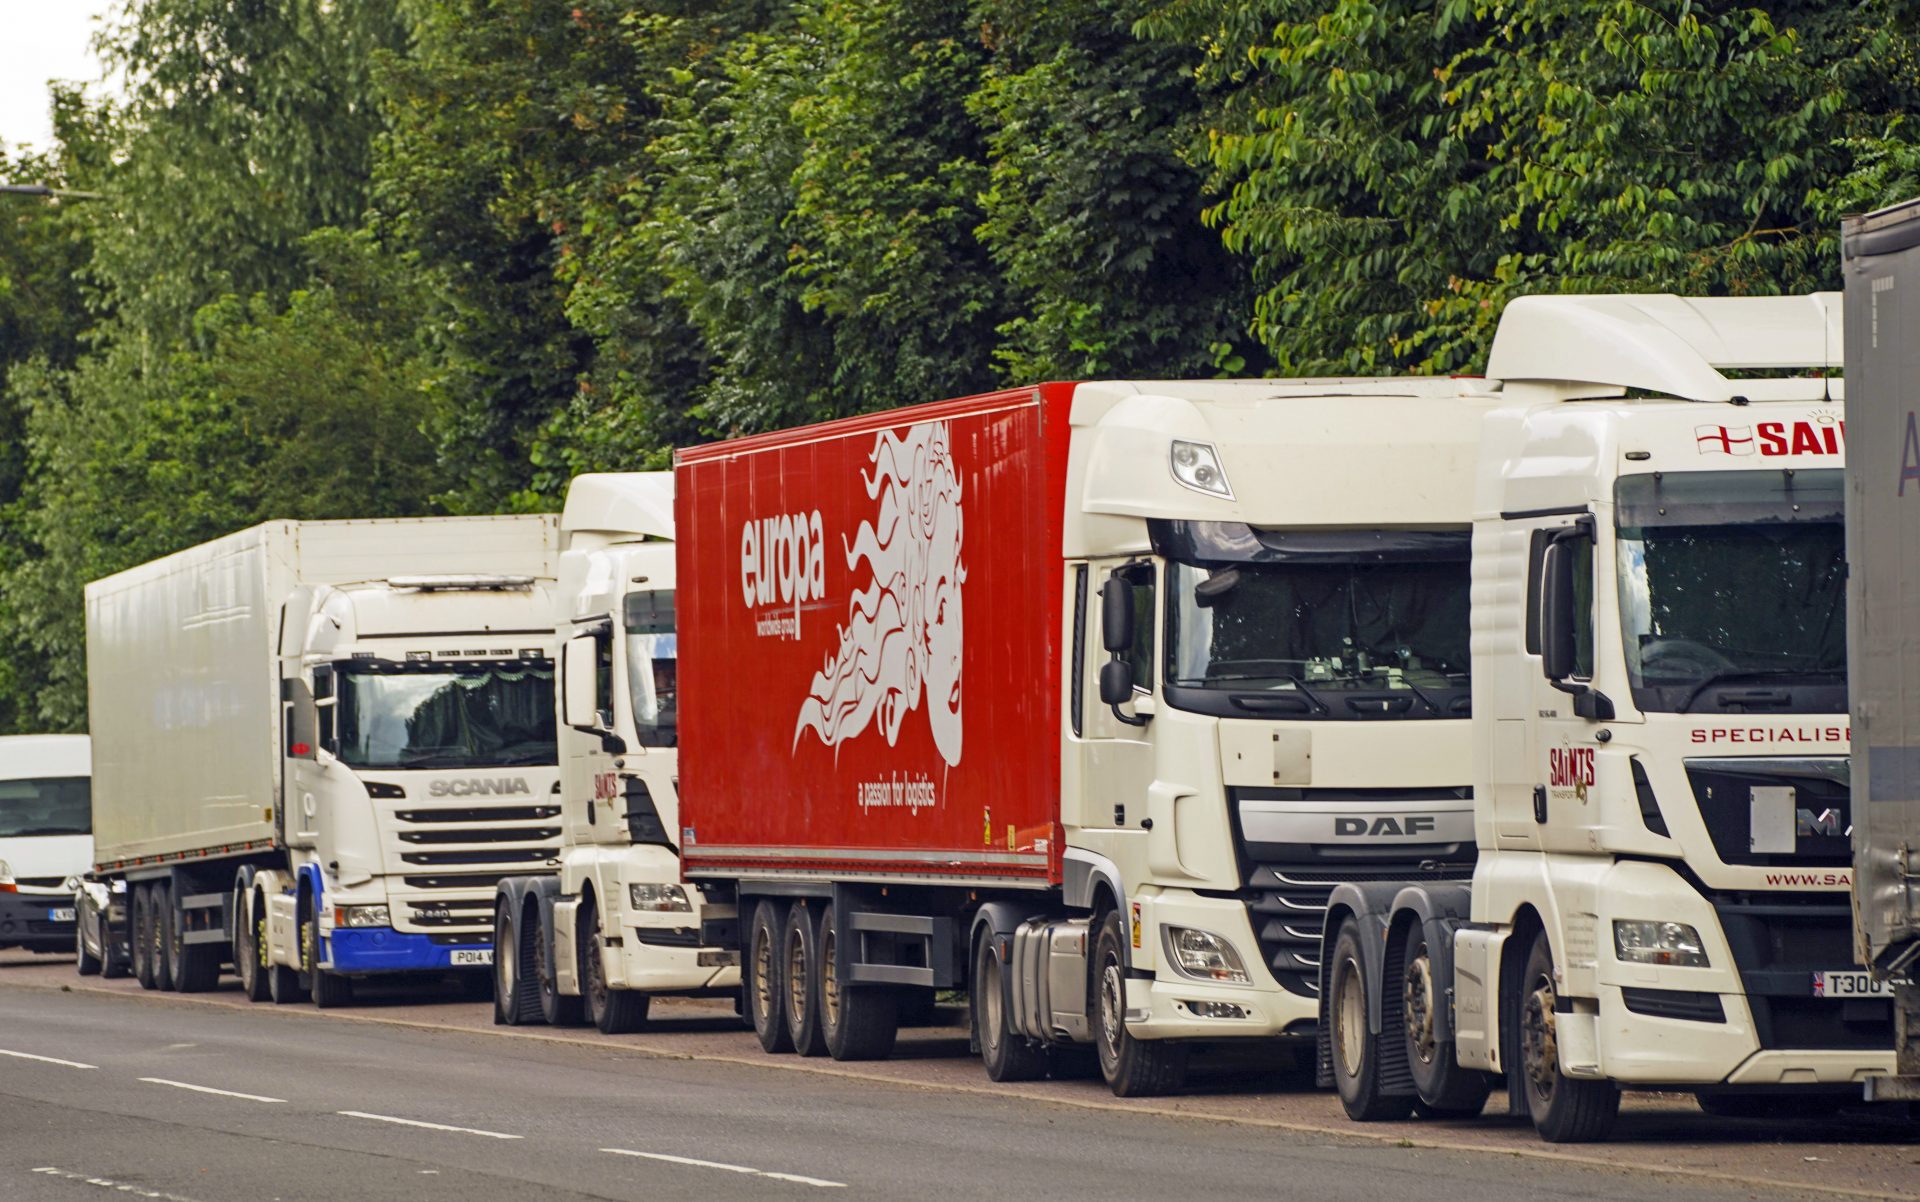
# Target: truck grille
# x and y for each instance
(467, 913)
(1287, 904)
(500, 814)
(1779, 941)
(1723, 789)
(456, 854)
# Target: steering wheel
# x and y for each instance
(1681, 659)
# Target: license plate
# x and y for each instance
(63, 914)
(472, 955)
(1849, 984)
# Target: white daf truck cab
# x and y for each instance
(46, 838)
(1661, 738)
(597, 940)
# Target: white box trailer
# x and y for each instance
(218, 682)
(1882, 252)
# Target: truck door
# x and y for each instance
(588, 789)
(1115, 756)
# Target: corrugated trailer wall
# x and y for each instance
(1883, 558)
(870, 645)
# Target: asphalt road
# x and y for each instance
(197, 1098)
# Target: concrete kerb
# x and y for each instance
(831, 1069)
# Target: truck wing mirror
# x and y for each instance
(580, 683)
(1557, 619)
(1116, 617)
(1116, 682)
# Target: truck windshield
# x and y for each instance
(652, 666)
(1361, 634)
(1733, 590)
(48, 805)
(470, 715)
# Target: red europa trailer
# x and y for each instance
(869, 614)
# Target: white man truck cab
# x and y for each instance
(46, 838)
(596, 941)
(1660, 746)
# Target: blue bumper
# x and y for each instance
(382, 949)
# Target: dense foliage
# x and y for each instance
(439, 256)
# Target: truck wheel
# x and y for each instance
(761, 977)
(250, 959)
(613, 1011)
(165, 936)
(857, 1023)
(84, 962)
(1134, 1068)
(1008, 1055)
(555, 1007)
(1564, 1109)
(800, 972)
(1356, 1049)
(1446, 1090)
(196, 966)
(516, 994)
(284, 985)
(140, 903)
(330, 990)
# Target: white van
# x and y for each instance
(46, 837)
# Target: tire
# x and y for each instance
(556, 1008)
(1133, 1068)
(857, 1022)
(1354, 1045)
(84, 962)
(613, 1011)
(165, 936)
(250, 958)
(762, 980)
(1565, 1110)
(140, 903)
(1446, 1091)
(516, 993)
(329, 990)
(196, 966)
(800, 973)
(1009, 1056)
(284, 983)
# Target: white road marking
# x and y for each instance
(46, 1059)
(728, 1168)
(119, 1187)
(387, 1118)
(225, 1093)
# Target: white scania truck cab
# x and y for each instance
(1661, 738)
(615, 926)
(46, 838)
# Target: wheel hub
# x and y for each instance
(1350, 1020)
(1540, 1041)
(1417, 1008)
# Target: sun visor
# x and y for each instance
(1237, 542)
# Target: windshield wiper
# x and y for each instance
(1290, 677)
(1747, 675)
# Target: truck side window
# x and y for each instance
(1077, 701)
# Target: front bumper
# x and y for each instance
(383, 949)
(26, 920)
(1164, 1006)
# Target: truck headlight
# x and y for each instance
(1203, 955)
(1197, 465)
(362, 916)
(658, 897)
(1636, 941)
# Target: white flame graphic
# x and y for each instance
(903, 631)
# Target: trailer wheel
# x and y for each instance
(1134, 1068)
(1356, 1049)
(166, 936)
(858, 1023)
(1008, 1055)
(251, 963)
(330, 990)
(800, 972)
(140, 903)
(84, 962)
(1446, 1090)
(196, 966)
(613, 1011)
(1564, 1109)
(516, 995)
(761, 977)
(556, 1008)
